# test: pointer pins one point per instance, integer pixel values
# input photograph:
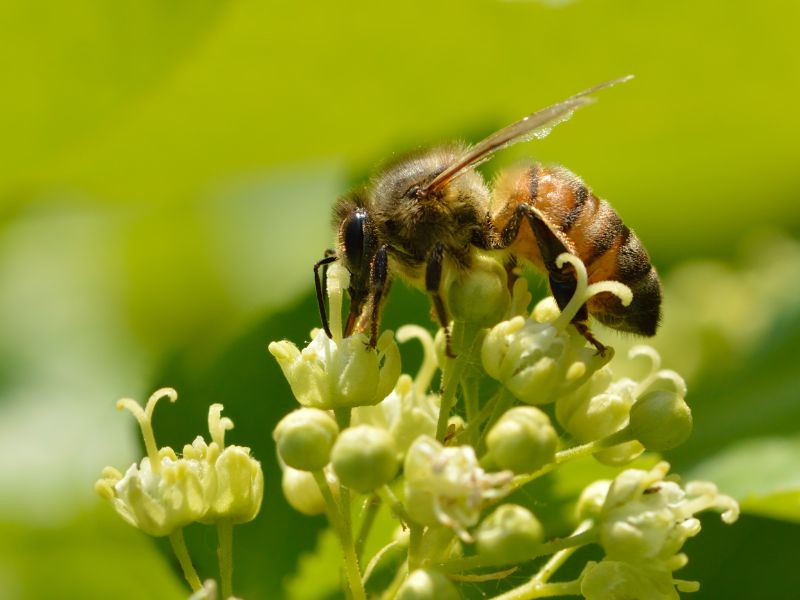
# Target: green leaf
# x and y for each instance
(763, 474)
(95, 555)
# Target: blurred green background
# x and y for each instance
(166, 173)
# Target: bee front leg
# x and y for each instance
(379, 284)
(330, 256)
(433, 280)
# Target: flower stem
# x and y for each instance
(463, 341)
(414, 547)
(503, 400)
(387, 495)
(225, 556)
(373, 503)
(538, 587)
(336, 518)
(182, 553)
(572, 542)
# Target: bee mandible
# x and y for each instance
(432, 210)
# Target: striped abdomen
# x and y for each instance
(593, 231)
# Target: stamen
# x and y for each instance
(583, 291)
(144, 418)
(578, 298)
(428, 368)
(218, 425)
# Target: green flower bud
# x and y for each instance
(427, 584)
(302, 492)
(305, 438)
(480, 295)
(660, 420)
(597, 409)
(621, 454)
(511, 534)
(522, 440)
(364, 458)
(592, 499)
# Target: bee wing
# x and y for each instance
(535, 125)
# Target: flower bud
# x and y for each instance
(305, 438)
(302, 492)
(593, 496)
(364, 458)
(597, 409)
(511, 534)
(660, 420)
(621, 454)
(522, 440)
(427, 584)
(480, 295)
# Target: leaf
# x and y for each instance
(763, 474)
(96, 555)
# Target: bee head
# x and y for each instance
(357, 244)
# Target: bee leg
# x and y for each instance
(562, 281)
(379, 280)
(583, 329)
(433, 280)
(323, 313)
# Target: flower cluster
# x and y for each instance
(210, 483)
(523, 393)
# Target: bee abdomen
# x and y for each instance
(625, 260)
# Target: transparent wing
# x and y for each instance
(536, 125)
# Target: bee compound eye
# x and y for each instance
(353, 237)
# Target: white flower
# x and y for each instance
(448, 486)
(646, 517)
(162, 493)
(339, 372)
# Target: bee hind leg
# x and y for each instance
(433, 280)
(563, 282)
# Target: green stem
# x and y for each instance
(414, 547)
(474, 424)
(180, 550)
(504, 400)
(561, 457)
(463, 340)
(341, 525)
(387, 495)
(349, 549)
(538, 587)
(370, 511)
(225, 556)
(342, 417)
(476, 561)
(534, 589)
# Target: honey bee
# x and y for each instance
(432, 210)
